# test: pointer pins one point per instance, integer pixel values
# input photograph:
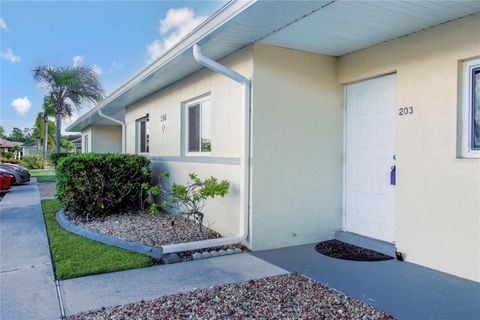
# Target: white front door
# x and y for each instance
(370, 151)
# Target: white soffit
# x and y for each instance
(346, 26)
(326, 27)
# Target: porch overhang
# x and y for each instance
(331, 28)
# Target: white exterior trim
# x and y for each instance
(187, 106)
(467, 112)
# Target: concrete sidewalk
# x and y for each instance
(111, 289)
(27, 285)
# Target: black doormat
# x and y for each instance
(345, 251)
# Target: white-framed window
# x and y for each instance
(198, 127)
(85, 143)
(143, 135)
(471, 109)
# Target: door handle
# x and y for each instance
(393, 175)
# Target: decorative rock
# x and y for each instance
(230, 251)
(197, 255)
(171, 258)
(206, 254)
(288, 296)
(221, 252)
(214, 253)
(237, 250)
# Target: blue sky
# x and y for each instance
(118, 38)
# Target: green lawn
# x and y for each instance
(42, 172)
(75, 256)
(43, 175)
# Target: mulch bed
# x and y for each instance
(345, 251)
(281, 297)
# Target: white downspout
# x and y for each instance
(122, 123)
(244, 161)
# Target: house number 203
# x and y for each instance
(405, 111)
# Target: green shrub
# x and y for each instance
(55, 157)
(34, 161)
(8, 154)
(94, 185)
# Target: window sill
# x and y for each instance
(198, 154)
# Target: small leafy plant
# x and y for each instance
(34, 161)
(191, 197)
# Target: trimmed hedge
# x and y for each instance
(55, 157)
(95, 185)
(34, 161)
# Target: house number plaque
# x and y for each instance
(405, 111)
(163, 122)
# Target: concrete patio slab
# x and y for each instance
(405, 290)
(27, 285)
(111, 289)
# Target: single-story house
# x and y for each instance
(362, 116)
(7, 145)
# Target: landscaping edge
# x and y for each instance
(65, 223)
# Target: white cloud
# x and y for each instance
(3, 24)
(97, 69)
(116, 66)
(77, 61)
(21, 105)
(10, 56)
(173, 27)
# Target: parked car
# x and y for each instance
(20, 174)
(5, 180)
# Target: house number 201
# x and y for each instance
(405, 111)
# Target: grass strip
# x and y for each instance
(75, 256)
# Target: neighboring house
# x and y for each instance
(31, 148)
(7, 145)
(363, 116)
(76, 139)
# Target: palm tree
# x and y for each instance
(45, 133)
(68, 86)
(48, 110)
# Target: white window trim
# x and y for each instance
(187, 106)
(467, 110)
(137, 135)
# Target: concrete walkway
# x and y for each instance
(111, 289)
(405, 290)
(27, 287)
(27, 284)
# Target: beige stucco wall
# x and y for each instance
(297, 148)
(103, 138)
(222, 214)
(437, 194)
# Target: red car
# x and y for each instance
(5, 179)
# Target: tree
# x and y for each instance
(2, 133)
(50, 132)
(48, 110)
(28, 135)
(67, 145)
(68, 86)
(16, 135)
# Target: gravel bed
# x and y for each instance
(147, 229)
(47, 189)
(346, 251)
(281, 297)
